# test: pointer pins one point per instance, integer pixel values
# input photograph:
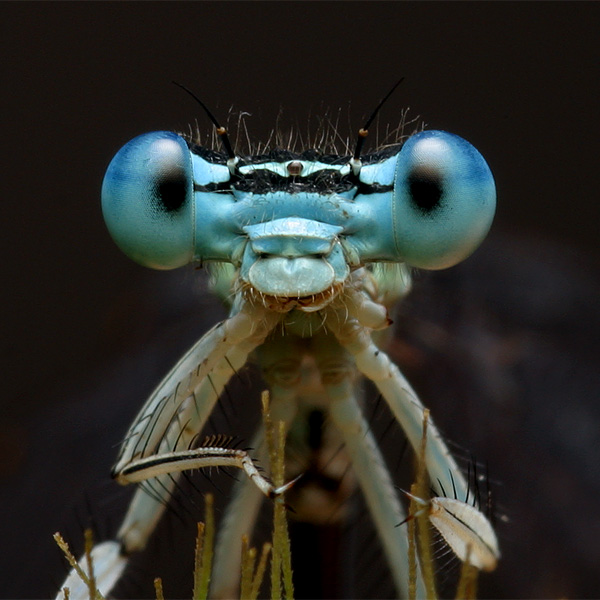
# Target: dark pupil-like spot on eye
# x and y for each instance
(170, 190)
(425, 189)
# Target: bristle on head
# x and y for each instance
(323, 135)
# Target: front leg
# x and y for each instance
(375, 482)
(198, 458)
(403, 401)
(108, 557)
(443, 471)
(171, 417)
(245, 330)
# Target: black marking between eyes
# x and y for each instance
(263, 181)
(322, 182)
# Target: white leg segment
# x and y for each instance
(375, 482)
(401, 398)
(198, 458)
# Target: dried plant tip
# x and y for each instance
(104, 560)
(158, 590)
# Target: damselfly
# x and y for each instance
(312, 249)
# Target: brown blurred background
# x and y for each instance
(514, 330)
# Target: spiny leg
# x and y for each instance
(401, 398)
(408, 410)
(107, 556)
(247, 328)
(146, 509)
(157, 428)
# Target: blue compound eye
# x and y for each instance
(443, 201)
(147, 200)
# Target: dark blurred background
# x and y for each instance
(503, 348)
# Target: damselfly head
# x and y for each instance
(296, 225)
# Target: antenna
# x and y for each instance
(363, 132)
(232, 159)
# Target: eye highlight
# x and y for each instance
(444, 200)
